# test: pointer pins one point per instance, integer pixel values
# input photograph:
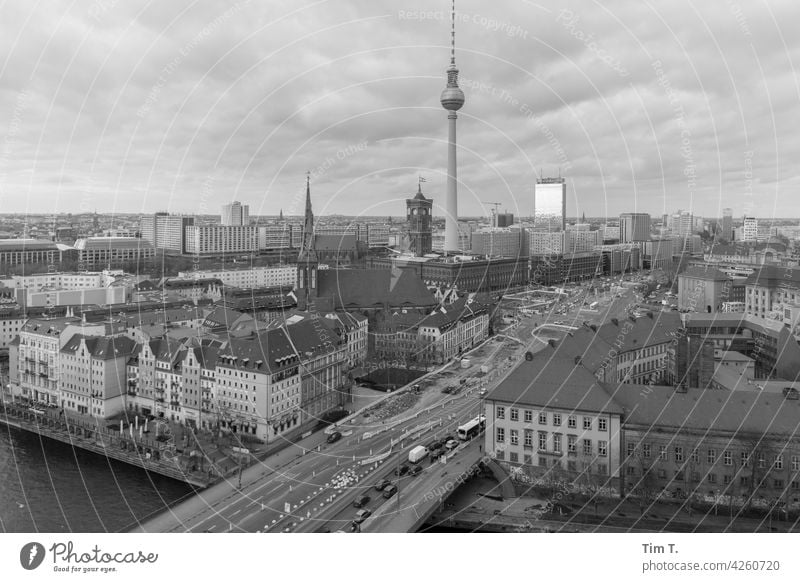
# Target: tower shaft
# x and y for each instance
(451, 202)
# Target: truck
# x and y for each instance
(416, 454)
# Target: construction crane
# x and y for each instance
(494, 212)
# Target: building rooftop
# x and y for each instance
(772, 276)
(102, 348)
(745, 413)
(370, 288)
(707, 273)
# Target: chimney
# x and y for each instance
(615, 321)
(594, 327)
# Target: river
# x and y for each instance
(49, 486)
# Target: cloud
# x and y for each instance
(131, 107)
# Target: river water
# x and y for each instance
(49, 486)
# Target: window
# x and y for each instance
(727, 458)
(662, 452)
(778, 461)
(795, 485)
(795, 463)
(587, 446)
(529, 416)
(646, 450)
(556, 443)
(513, 457)
(662, 474)
(587, 423)
(514, 414)
(744, 481)
(631, 447)
(571, 440)
(778, 483)
(571, 466)
(712, 478)
(745, 459)
(762, 461)
(630, 470)
(572, 422)
(602, 424)
(501, 435)
(712, 456)
(602, 469)
(602, 448)
(514, 437)
(695, 456)
(726, 479)
(556, 419)
(528, 438)
(501, 412)
(542, 441)
(528, 459)
(542, 418)
(679, 454)
(542, 462)
(500, 454)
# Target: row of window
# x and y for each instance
(679, 455)
(551, 443)
(556, 417)
(572, 466)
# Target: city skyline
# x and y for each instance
(237, 102)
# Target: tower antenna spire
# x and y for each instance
(453, 34)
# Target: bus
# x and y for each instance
(471, 428)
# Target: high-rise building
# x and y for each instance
(727, 224)
(505, 219)
(418, 212)
(550, 204)
(501, 242)
(750, 229)
(634, 227)
(452, 99)
(166, 232)
(235, 214)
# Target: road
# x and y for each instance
(310, 478)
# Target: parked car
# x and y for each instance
(389, 491)
(402, 470)
(361, 501)
(382, 484)
(416, 470)
(334, 436)
(451, 444)
(361, 515)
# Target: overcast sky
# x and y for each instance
(125, 106)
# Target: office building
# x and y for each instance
(634, 227)
(235, 214)
(166, 232)
(216, 239)
(750, 229)
(550, 204)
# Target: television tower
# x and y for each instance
(452, 99)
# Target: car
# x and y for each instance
(416, 470)
(334, 436)
(451, 444)
(361, 501)
(390, 491)
(382, 484)
(445, 439)
(361, 515)
(402, 470)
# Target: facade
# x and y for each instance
(279, 276)
(219, 240)
(749, 229)
(504, 219)
(658, 253)
(546, 243)
(235, 214)
(276, 237)
(501, 242)
(550, 204)
(19, 251)
(579, 240)
(703, 289)
(634, 227)
(555, 269)
(93, 374)
(110, 253)
(419, 218)
(166, 232)
(774, 293)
